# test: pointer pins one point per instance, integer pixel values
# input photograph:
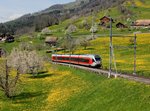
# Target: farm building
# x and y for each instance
(120, 25)
(105, 20)
(51, 40)
(9, 39)
(141, 23)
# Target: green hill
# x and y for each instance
(124, 55)
(125, 13)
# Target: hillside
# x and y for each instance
(68, 89)
(62, 88)
(102, 36)
(54, 15)
(125, 13)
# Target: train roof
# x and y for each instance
(76, 55)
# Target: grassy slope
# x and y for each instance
(141, 11)
(124, 56)
(76, 90)
(33, 41)
(70, 89)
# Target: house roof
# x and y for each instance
(119, 23)
(104, 17)
(10, 37)
(145, 22)
(51, 39)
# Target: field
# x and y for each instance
(68, 89)
(124, 53)
(63, 88)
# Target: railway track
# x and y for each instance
(105, 72)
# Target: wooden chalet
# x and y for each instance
(121, 25)
(51, 40)
(141, 23)
(105, 20)
(10, 39)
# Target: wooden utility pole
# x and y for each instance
(92, 23)
(110, 51)
(134, 54)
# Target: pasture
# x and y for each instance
(124, 53)
(68, 89)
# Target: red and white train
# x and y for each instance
(86, 60)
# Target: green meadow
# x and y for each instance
(123, 53)
(68, 89)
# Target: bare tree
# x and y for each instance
(84, 43)
(94, 28)
(71, 29)
(28, 61)
(34, 65)
(69, 43)
(8, 81)
(46, 31)
(85, 24)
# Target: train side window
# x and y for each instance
(83, 60)
(86, 60)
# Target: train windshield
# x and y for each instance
(97, 58)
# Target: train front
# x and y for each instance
(97, 61)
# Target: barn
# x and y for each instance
(141, 23)
(9, 39)
(121, 25)
(51, 40)
(105, 20)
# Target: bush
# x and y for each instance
(71, 29)
(46, 31)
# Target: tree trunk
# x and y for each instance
(7, 93)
